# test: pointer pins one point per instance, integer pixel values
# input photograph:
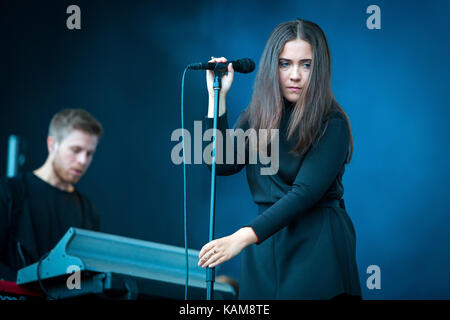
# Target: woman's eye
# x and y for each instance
(284, 64)
(307, 65)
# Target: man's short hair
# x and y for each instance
(67, 120)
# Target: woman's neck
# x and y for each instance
(288, 104)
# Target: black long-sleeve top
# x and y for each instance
(301, 182)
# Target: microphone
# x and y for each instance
(245, 65)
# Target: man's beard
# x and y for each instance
(61, 173)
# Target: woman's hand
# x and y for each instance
(223, 249)
(227, 79)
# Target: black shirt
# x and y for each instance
(45, 216)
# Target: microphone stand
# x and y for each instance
(210, 272)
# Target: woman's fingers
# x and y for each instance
(210, 253)
(216, 60)
(226, 248)
(206, 248)
(205, 255)
(218, 261)
(209, 73)
(209, 259)
(221, 59)
(230, 67)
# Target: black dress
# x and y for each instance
(306, 245)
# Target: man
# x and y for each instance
(37, 208)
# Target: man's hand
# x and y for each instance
(223, 249)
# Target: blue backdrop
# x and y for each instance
(125, 67)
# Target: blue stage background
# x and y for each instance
(125, 67)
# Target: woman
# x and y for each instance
(301, 245)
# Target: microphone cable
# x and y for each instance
(184, 191)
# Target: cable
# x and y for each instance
(184, 191)
(50, 297)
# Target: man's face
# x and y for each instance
(73, 155)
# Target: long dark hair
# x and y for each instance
(316, 102)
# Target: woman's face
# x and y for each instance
(294, 66)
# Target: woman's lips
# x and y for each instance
(294, 89)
